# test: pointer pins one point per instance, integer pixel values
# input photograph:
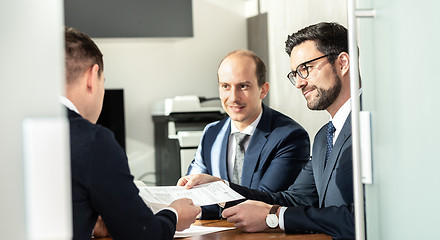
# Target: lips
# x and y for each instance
(236, 108)
(308, 91)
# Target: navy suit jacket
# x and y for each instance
(321, 199)
(102, 185)
(277, 151)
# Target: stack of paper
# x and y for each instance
(194, 230)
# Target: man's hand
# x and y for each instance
(100, 229)
(249, 215)
(186, 211)
(190, 181)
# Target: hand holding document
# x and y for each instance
(201, 195)
(205, 194)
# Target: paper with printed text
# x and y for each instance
(201, 195)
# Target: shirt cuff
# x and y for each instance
(172, 210)
(281, 217)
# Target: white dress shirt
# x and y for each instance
(231, 143)
(66, 102)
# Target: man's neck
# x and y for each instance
(337, 104)
(242, 126)
(69, 104)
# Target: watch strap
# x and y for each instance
(274, 209)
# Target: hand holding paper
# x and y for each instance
(186, 211)
(190, 181)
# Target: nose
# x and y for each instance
(235, 94)
(300, 82)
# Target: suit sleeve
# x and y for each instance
(303, 214)
(302, 192)
(198, 163)
(337, 222)
(288, 156)
(115, 197)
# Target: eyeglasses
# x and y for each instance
(303, 70)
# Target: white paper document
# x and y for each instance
(201, 195)
(194, 230)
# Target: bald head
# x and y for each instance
(246, 55)
(242, 86)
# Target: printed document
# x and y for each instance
(201, 195)
(206, 194)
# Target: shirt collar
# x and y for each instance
(66, 102)
(341, 115)
(249, 129)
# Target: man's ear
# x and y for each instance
(92, 77)
(264, 90)
(343, 61)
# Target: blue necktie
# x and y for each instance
(330, 131)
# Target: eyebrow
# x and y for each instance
(244, 82)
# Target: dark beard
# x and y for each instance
(325, 98)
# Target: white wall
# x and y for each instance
(32, 78)
(150, 69)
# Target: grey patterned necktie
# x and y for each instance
(239, 156)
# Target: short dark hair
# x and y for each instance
(81, 53)
(260, 67)
(329, 37)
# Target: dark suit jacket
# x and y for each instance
(102, 185)
(277, 151)
(320, 200)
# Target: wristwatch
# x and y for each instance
(271, 218)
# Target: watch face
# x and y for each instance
(272, 220)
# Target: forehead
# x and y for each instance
(237, 68)
(303, 53)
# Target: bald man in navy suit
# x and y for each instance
(276, 147)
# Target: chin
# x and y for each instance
(236, 118)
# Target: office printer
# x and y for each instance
(178, 127)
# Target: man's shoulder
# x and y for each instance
(280, 121)
(87, 131)
(215, 127)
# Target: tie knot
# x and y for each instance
(330, 128)
(240, 137)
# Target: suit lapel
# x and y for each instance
(318, 156)
(258, 140)
(223, 163)
(334, 157)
